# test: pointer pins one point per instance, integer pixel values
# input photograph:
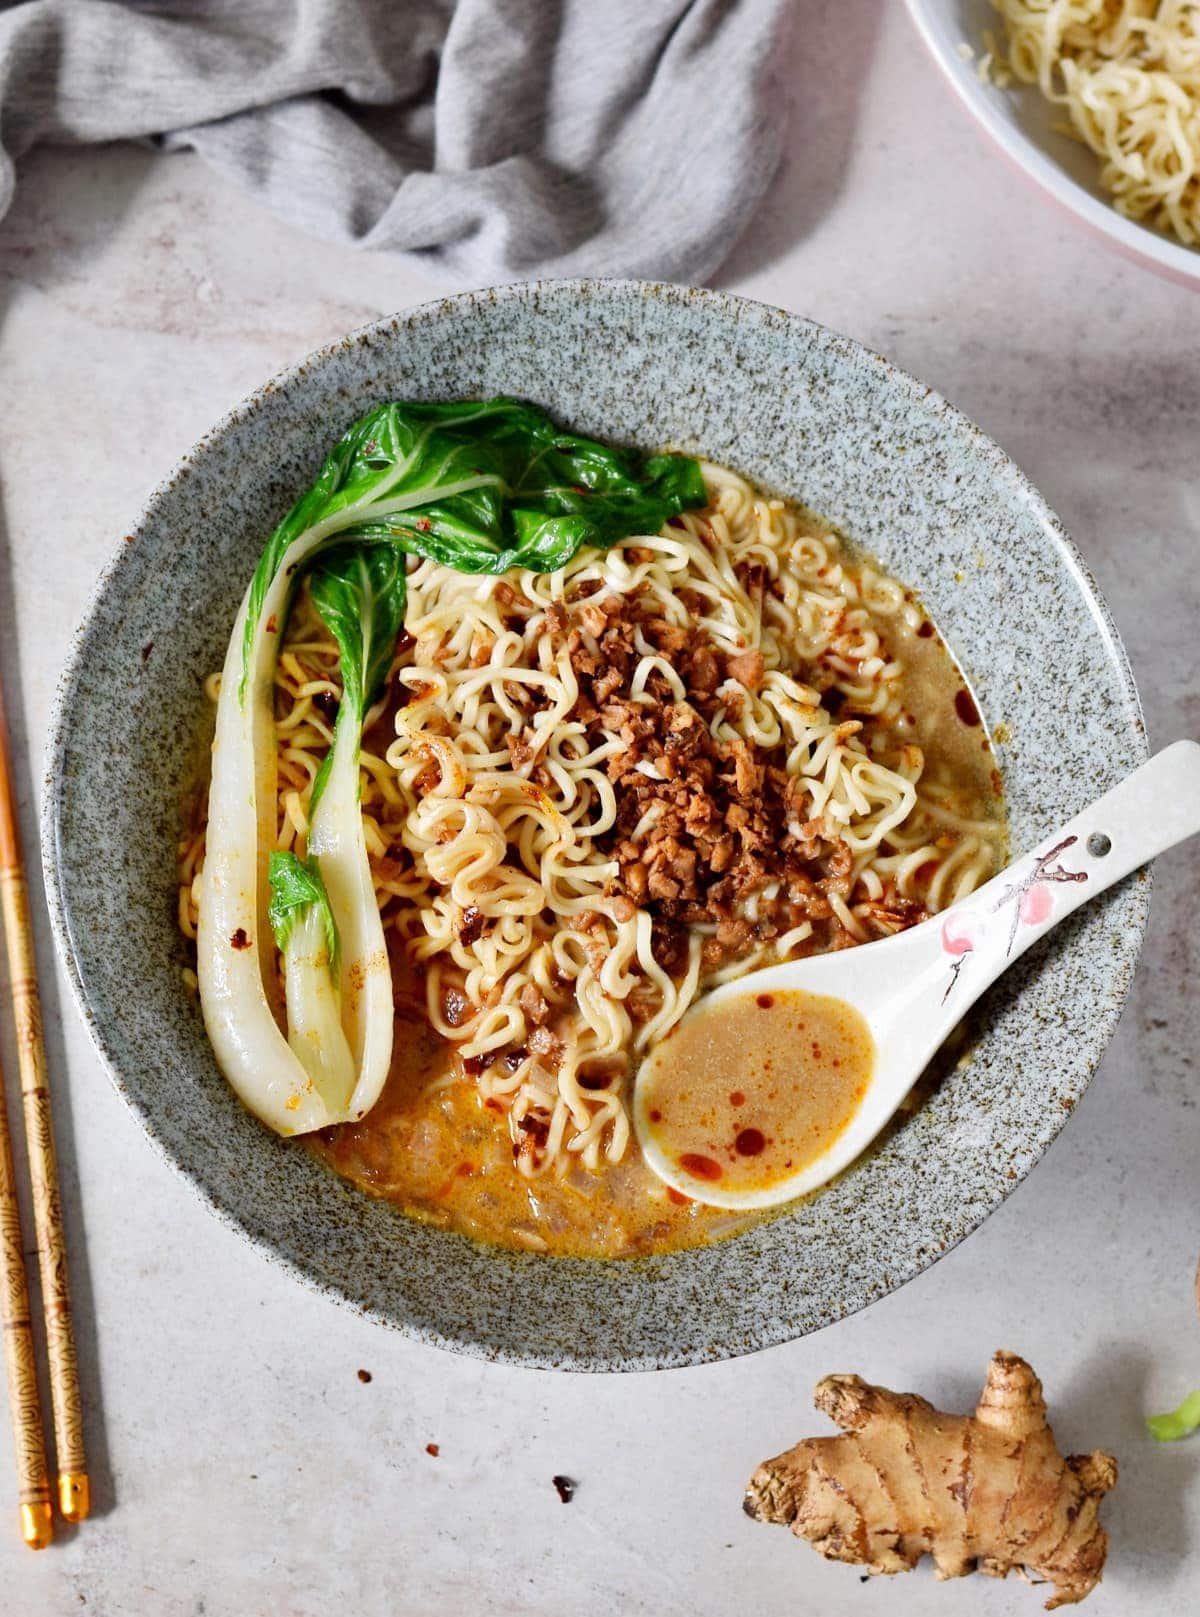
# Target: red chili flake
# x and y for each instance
(737, 1098)
(700, 1167)
(750, 1142)
(656, 1116)
(765, 1001)
(512, 1059)
(964, 706)
(433, 1449)
(146, 650)
(364, 1376)
(423, 525)
(926, 630)
(678, 1197)
(239, 940)
(536, 1128)
(474, 1065)
(470, 928)
(565, 1487)
(272, 625)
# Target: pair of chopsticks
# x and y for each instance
(33, 1477)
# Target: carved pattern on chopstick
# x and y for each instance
(33, 1480)
(43, 1177)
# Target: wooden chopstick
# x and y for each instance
(73, 1490)
(33, 1478)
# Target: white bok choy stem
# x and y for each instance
(302, 920)
(337, 979)
(235, 959)
(359, 591)
(235, 948)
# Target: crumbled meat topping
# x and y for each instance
(533, 1002)
(703, 825)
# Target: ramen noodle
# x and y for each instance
(1127, 75)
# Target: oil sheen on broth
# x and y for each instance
(750, 1093)
(444, 1155)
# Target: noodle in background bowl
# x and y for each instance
(799, 410)
(1026, 129)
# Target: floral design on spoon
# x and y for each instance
(1031, 903)
(958, 941)
(1029, 897)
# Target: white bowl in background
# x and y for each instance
(1022, 124)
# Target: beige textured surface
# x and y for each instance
(241, 1468)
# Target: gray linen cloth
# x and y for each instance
(487, 139)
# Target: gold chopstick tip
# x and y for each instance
(74, 1496)
(37, 1525)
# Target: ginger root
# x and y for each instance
(989, 1491)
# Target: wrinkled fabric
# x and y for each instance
(485, 139)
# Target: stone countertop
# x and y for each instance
(242, 1466)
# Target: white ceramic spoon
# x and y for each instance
(913, 988)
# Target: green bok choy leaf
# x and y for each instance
(482, 486)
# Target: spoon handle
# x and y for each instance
(1151, 810)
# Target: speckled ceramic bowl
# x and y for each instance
(800, 410)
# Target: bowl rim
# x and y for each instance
(997, 464)
(1132, 239)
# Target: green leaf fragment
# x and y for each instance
(359, 591)
(1179, 1423)
(295, 884)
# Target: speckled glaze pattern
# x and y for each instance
(800, 410)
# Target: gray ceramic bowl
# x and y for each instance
(798, 409)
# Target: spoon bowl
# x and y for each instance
(909, 991)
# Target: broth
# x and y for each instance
(588, 796)
(749, 1094)
(438, 1151)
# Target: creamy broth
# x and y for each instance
(747, 1095)
(438, 1151)
(444, 1156)
(519, 1028)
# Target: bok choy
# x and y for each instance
(306, 935)
(481, 486)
